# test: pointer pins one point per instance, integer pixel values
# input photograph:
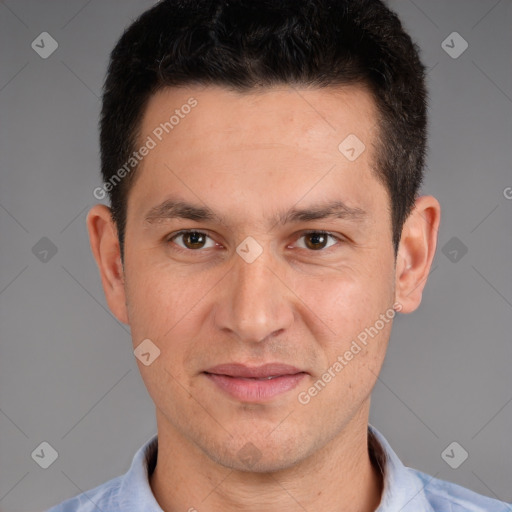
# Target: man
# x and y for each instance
(263, 162)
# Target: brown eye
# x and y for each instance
(192, 240)
(317, 240)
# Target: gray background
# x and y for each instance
(67, 371)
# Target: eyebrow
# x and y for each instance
(177, 209)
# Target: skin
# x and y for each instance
(247, 157)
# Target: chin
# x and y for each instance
(258, 456)
(263, 464)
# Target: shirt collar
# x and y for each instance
(135, 490)
(403, 489)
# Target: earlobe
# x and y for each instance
(416, 252)
(106, 251)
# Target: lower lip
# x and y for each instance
(254, 390)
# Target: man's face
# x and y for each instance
(254, 288)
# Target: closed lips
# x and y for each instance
(264, 372)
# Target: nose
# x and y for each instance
(255, 302)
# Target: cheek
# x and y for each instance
(359, 319)
(161, 309)
(346, 302)
(154, 303)
(346, 318)
(159, 295)
(167, 306)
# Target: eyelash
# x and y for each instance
(172, 237)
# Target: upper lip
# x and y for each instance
(255, 372)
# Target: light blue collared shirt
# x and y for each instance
(405, 489)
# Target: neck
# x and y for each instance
(340, 476)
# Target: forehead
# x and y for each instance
(276, 115)
(259, 143)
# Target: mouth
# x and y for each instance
(257, 383)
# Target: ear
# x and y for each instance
(416, 252)
(106, 250)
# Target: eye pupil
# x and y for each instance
(196, 239)
(316, 238)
